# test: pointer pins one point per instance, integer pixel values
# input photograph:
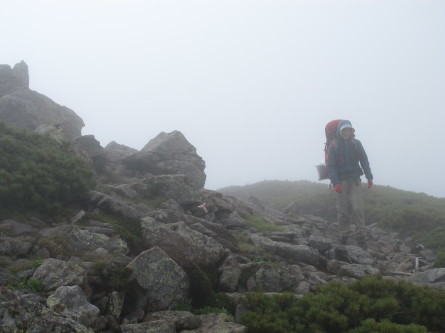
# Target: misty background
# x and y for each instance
(250, 83)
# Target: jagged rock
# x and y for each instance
(322, 244)
(12, 79)
(115, 304)
(358, 271)
(293, 254)
(26, 312)
(182, 243)
(359, 255)
(164, 283)
(54, 273)
(117, 152)
(234, 220)
(78, 240)
(88, 147)
(15, 228)
(182, 319)
(217, 323)
(276, 278)
(351, 254)
(71, 301)
(112, 205)
(171, 187)
(28, 109)
(166, 154)
(157, 326)
(13, 247)
(430, 276)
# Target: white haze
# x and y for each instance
(250, 83)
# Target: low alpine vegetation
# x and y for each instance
(368, 305)
(38, 173)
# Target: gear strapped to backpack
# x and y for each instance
(330, 132)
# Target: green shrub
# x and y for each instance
(392, 306)
(38, 173)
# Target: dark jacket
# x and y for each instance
(347, 159)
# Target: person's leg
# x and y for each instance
(357, 214)
(343, 211)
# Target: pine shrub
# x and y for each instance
(38, 173)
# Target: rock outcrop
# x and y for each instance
(23, 108)
(166, 154)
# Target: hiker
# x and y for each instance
(347, 161)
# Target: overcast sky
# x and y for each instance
(250, 83)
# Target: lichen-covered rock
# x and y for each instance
(182, 319)
(112, 205)
(71, 300)
(77, 240)
(166, 154)
(54, 273)
(157, 326)
(163, 282)
(217, 323)
(291, 253)
(182, 243)
(30, 110)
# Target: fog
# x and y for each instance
(250, 83)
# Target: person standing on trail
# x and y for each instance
(347, 161)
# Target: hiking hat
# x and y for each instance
(346, 124)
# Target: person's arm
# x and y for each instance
(364, 162)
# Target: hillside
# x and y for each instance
(412, 215)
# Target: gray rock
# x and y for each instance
(358, 271)
(166, 154)
(112, 205)
(217, 323)
(359, 256)
(71, 300)
(78, 240)
(182, 243)
(117, 152)
(15, 228)
(429, 276)
(165, 284)
(182, 319)
(54, 273)
(28, 109)
(293, 254)
(12, 79)
(115, 304)
(13, 247)
(157, 326)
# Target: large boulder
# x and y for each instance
(71, 301)
(166, 154)
(23, 108)
(182, 243)
(54, 273)
(12, 79)
(163, 282)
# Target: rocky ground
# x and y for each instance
(91, 281)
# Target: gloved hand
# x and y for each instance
(337, 188)
(370, 183)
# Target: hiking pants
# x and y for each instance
(350, 208)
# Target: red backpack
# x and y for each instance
(330, 131)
